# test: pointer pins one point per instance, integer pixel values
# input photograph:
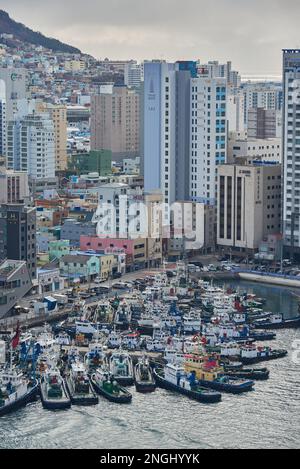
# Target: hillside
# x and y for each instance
(24, 34)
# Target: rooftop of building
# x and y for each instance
(9, 267)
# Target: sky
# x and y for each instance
(250, 33)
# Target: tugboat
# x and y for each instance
(53, 391)
(174, 378)
(104, 383)
(16, 390)
(210, 374)
(120, 365)
(95, 356)
(79, 386)
(250, 354)
(144, 381)
(276, 321)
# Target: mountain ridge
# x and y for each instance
(25, 34)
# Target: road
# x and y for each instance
(23, 319)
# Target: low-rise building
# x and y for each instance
(134, 249)
(49, 280)
(79, 266)
(15, 282)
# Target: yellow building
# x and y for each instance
(106, 265)
(74, 65)
(58, 114)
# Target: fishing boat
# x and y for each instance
(276, 321)
(144, 381)
(120, 366)
(79, 386)
(104, 383)
(210, 374)
(53, 391)
(16, 390)
(174, 378)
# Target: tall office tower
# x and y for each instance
(115, 114)
(15, 80)
(208, 137)
(262, 95)
(18, 234)
(264, 123)
(31, 147)
(133, 75)
(166, 123)
(2, 118)
(291, 149)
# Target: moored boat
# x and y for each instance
(257, 374)
(174, 378)
(79, 386)
(120, 366)
(251, 354)
(104, 383)
(16, 390)
(276, 321)
(210, 374)
(53, 391)
(144, 380)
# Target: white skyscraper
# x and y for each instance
(208, 136)
(291, 149)
(31, 146)
(133, 74)
(2, 119)
(166, 121)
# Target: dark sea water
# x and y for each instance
(268, 417)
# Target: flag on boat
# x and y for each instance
(16, 338)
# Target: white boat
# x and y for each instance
(15, 390)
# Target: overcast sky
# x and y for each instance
(250, 33)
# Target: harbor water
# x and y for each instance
(268, 417)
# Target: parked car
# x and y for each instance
(116, 275)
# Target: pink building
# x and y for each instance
(135, 249)
(101, 244)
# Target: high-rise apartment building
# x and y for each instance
(133, 75)
(262, 95)
(208, 136)
(214, 69)
(18, 234)
(115, 114)
(2, 118)
(58, 114)
(291, 149)
(264, 123)
(31, 146)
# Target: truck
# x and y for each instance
(61, 299)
